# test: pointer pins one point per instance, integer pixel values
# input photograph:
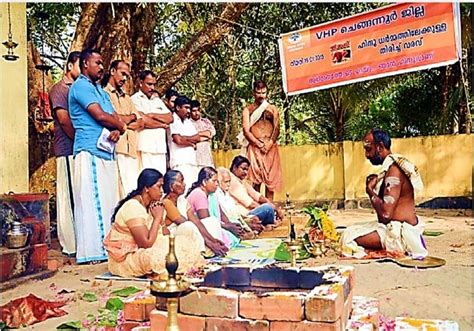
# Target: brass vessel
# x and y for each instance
(17, 236)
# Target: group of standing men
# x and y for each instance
(104, 138)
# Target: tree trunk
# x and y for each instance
(465, 120)
(338, 113)
(83, 28)
(229, 117)
(202, 42)
(446, 73)
(142, 29)
(117, 31)
(286, 118)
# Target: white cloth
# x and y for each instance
(189, 231)
(228, 205)
(254, 117)
(95, 197)
(128, 170)
(154, 161)
(396, 237)
(180, 155)
(410, 170)
(151, 140)
(213, 226)
(230, 209)
(65, 203)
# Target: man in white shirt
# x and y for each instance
(229, 206)
(184, 138)
(157, 118)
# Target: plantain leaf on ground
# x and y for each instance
(126, 291)
(89, 297)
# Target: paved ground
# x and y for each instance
(442, 293)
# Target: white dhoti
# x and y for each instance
(188, 231)
(128, 170)
(95, 197)
(154, 161)
(65, 203)
(395, 237)
(213, 226)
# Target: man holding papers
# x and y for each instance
(97, 129)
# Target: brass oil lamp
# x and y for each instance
(171, 288)
(10, 44)
(292, 243)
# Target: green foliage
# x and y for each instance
(51, 27)
(110, 316)
(126, 291)
(404, 105)
(71, 325)
(114, 304)
(89, 297)
(3, 326)
(282, 253)
(409, 106)
(314, 216)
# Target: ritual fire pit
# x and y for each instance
(238, 297)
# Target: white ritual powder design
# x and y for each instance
(389, 199)
(392, 181)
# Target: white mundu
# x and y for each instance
(151, 142)
(183, 158)
(65, 203)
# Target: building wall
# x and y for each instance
(338, 170)
(14, 103)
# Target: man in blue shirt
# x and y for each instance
(97, 129)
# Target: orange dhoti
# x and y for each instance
(265, 168)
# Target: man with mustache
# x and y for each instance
(152, 145)
(126, 148)
(392, 194)
(260, 131)
(97, 129)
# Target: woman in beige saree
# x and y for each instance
(136, 244)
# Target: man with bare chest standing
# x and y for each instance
(260, 131)
(392, 195)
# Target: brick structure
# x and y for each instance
(290, 299)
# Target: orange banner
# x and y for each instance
(388, 41)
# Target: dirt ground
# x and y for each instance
(439, 293)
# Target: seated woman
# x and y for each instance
(249, 201)
(205, 206)
(174, 187)
(135, 243)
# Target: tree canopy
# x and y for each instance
(214, 51)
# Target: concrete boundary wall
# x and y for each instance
(337, 171)
(14, 103)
